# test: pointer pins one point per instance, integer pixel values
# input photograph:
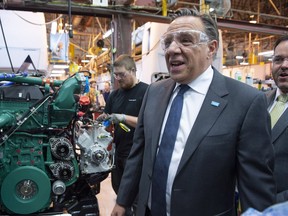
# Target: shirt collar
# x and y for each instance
(278, 92)
(201, 83)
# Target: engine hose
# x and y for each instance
(6, 119)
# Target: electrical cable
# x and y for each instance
(6, 46)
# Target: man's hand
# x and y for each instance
(118, 210)
(102, 117)
(117, 118)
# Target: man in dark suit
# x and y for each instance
(280, 117)
(223, 137)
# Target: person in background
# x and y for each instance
(277, 106)
(190, 164)
(92, 97)
(123, 107)
(97, 101)
(106, 91)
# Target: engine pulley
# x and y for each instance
(63, 170)
(61, 148)
(26, 190)
(98, 154)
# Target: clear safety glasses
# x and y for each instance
(120, 75)
(185, 38)
(279, 59)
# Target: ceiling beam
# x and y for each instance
(250, 27)
(106, 12)
(133, 13)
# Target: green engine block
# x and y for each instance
(38, 159)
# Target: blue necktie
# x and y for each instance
(163, 158)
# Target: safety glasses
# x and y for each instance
(120, 75)
(279, 59)
(183, 38)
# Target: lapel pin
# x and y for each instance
(214, 103)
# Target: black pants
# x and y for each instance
(116, 175)
(117, 171)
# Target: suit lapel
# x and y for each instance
(270, 97)
(282, 123)
(162, 97)
(280, 126)
(212, 107)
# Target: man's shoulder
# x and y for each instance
(238, 85)
(143, 84)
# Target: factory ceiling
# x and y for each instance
(242, 21)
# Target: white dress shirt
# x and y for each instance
(193, 99)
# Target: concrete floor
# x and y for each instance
(106, 197)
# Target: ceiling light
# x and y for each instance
(244, 63)
(108, 33)
(56, 75)
(85, 61)
(90, 56)
(239, 57)
(60, 66)
(266, 53)
(58, 72)
(253, 21)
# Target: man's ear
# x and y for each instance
(213, 47)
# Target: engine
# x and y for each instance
(52, 158)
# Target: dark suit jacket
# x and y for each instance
(227, 142)
(280, 142)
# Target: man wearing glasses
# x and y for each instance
(189, 161)
(122, 108)
(277, 100)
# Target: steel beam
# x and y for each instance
(137, 13)
(250, 27)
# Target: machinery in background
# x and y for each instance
(52, 158)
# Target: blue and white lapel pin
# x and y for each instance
(214, 103)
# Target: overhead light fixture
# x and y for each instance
(58, 72)
(239, 57)
(56, 75)
(266, 53)
(60, 66)
(108, 33)
(244, 63)
(85, 61)
(253, 21)
(90, 56)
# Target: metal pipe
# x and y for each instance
(70, 27)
